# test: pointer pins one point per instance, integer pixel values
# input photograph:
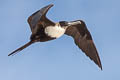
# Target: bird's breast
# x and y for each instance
(54, 31)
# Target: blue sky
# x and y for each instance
(59, 59)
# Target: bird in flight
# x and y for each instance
(44, 29)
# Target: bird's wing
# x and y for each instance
(83, 40)
(39, 16)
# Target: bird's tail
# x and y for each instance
(21, 48)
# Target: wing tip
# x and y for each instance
(100, 65)
(98, 62)
(50, 5)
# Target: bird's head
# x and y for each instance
(71, 23)
(63, 24)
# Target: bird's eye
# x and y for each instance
(63, 23)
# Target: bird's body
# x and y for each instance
(44, 29)
(54, 31)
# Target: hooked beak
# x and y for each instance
(71, 23)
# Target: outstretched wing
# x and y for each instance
(39, 16)
(83, 40)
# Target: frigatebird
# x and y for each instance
(44, 29)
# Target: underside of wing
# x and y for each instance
(84, 41)
(39, 16)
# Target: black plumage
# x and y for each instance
(77, 29)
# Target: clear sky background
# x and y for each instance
(59, 59)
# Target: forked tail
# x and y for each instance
(21, 48)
